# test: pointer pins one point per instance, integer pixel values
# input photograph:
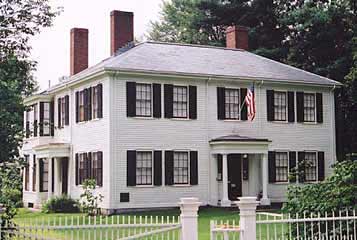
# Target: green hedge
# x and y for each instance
(61, 204)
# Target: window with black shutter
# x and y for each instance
(131, 168)
(319, 109)
(157, 168)
(169, 167)
(230, 104)
(97, 167)
(291, 106)
(192, 102)
(309, 107)
(156, 100)
(270, 105)
(321, 166)
(168, 101)
(193, 167)
(43, 175)
(221, 103)
(46, 119)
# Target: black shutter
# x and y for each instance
(271, 166)
(156, 100)
(291, 107)
(77, 106)
(292, 165)
(270, 105)
(77, 169)
(243, 111)
(193, 167)
(89, 102)
(157, 168)
(131, 99)
(59, 112)
(169, 167)
(131, 168)
(246, 168)
(41, 174)
(35, 127)
(301, 166)
(321, 166)
(89, 165)
(27, 130)
(66, 100)
(99, 173)
(193, 102)
(220, 103)
(168, 100)
(300, 106)
(319, 110)
(41, 118)
(100, 100)
(85, 97)
(52, 118)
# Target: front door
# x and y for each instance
(64, 169)
(234, 176)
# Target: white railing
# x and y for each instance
(183, 227)
(225, 230)
(327, 226)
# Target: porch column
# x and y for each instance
(49, 187)
(225, 201)
(56, 189)
(38, 177)
(265, 200)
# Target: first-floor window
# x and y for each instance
(82, 167)
(27, 172)
(181, 168)
(44, 175)
(144, 168)
(310, 166)
(89, 166)
(281, 164)
(97, 167)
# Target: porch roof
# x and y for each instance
(239, 144)
(52, 150)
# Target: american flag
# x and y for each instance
(250, 101)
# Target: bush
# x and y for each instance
(61, 204)
(89, 199)
(13, 195)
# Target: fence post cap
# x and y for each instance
(189, 200)
(247, 203)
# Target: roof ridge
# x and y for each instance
(195, 45)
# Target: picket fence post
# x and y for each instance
(189, 218)
(247, 210)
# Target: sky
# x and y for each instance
(50, 48)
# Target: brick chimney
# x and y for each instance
(237, 37)
(79, 50)
(121, 29)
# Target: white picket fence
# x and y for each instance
(252, 225)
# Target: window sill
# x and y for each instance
(232, 120)
(181, 185)
(281, 183)
(144, 186)
(181, 119)
(310, 123)
(283, 122)
(143, 118)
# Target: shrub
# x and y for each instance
(61, 204)
(13, 195)
(89, 199)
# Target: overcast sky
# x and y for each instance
(51, 47)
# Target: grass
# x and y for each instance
(38, 218)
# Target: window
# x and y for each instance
(82, 169)
(281, 165)
(180, 101)
(63, 111)
(27, 172)
(309, 107)
(144, 168)
(280, 106)
(95, 102)
(310, 166)
(46, 119)
(232, 103)
(143, 100)
(34, 174)
(44, 175)
(97, 167)
(181, 168)
(35, 119)
(27, 124)
(81, 106)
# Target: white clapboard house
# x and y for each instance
(158, 121)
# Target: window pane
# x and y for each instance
(280, 106)
(232, 103)
(143, 100)
(143, 168)
(180, 101)
(181, 168)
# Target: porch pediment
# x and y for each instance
(52, 150)
(238, 144)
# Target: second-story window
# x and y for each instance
(81, 106)
(280, 106)
(143, 100)
(46, 122)
(309, 107)
(231, 103)
(95, 102)
(180, 101)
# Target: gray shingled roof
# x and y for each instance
(203, 60)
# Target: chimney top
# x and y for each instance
(121, 29)
(78, 50)
(237, 37)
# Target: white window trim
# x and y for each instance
(188, 168)
(187, 103)
(317, 166)
(152, 168)
(286, 107)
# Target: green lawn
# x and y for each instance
(38, 218)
